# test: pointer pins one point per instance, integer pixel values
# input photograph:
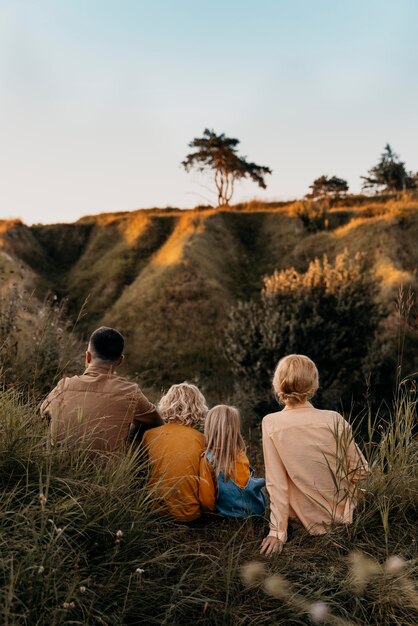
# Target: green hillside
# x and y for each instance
(167, 278)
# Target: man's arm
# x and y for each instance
(45, 408)
(145, 416)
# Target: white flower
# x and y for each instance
(318, 612)
(68, 605)
(41, 569)
(363, 569)
(119, 534)
(82, 589)
(253, 573)
(42, 499)
(394, 565)
(276, 586)
(59, 531)
(139, 571)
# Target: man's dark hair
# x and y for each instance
(107, 344)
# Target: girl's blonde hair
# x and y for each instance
(183, 404)
(296, 379)
(223, 438)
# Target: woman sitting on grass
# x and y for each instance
(174, 451)
(227, 484)
(312, 462)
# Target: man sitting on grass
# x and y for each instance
(99, 404)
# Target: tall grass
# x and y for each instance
(80, 543)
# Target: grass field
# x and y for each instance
(81, 544)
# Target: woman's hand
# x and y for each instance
(270, 545)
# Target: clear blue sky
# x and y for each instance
(99, 98)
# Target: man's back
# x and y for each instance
(98, 405)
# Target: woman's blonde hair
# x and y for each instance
(183, 404)
(223, 438)
(296, 379)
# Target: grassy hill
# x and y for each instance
(166, 278)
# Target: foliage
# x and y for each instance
(389, 174)
(37, 343)
(218, 154)
(328, 313)
(328, 186)
(81, 544)
(314, 214)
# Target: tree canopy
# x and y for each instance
(218, 153)
(328, 186)
(389, 174)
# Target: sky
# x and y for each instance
(100, 98)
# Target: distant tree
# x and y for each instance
(328, 187)
(329, 313)
(389, 174)
(218, 153)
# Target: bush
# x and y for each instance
(328, 313)
(312, 213)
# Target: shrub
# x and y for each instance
(312, 213)
(328, 313)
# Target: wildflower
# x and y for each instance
(42, 499)
(276, 586)
(253, 573)
(119, 534)
(363, 568)
(82, 589)
(139, 571)
(394, 565)
(318, 612)
(68, 605)
(41, 569)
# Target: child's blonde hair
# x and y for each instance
(223, 438)
(295, 379)
(183, 404)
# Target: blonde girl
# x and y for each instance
(312, 462)
(227, 484)
(174, 451)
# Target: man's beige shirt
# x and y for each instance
(312, 465)
(98, 405)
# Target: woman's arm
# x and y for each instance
(277, 487)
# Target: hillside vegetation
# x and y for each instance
(81, 542)
(167, 278)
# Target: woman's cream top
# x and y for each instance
(312, 466)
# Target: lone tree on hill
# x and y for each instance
(328, 187)
(389, 174)
(218, 154)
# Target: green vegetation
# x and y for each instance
(390, 174)
(80, 541)
(81, 544)
(328, 312)
(328, 186)
(168, 278)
